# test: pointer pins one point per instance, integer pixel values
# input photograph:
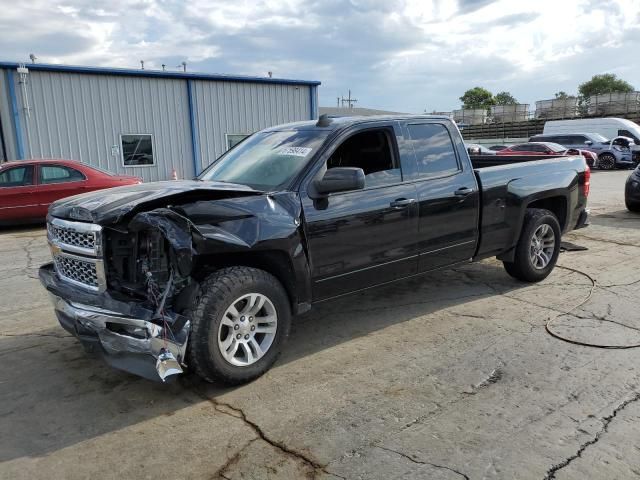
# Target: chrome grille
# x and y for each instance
(76, 237)
(77, 270)
(77, 253)
(71, 237)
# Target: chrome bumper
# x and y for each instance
(134, 345)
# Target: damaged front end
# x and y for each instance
(126, 271)
(123, 291)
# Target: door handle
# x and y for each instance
(463, 192)
(399, 203)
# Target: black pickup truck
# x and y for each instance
(207, 273)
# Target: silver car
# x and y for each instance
(615, 153)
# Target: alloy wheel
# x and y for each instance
(247, 329)
(542, 246)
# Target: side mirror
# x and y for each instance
(340, 179)
(588, 142)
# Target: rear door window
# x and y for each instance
(17, 176)
(434, 150)
(59, 174)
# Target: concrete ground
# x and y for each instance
(443, 377)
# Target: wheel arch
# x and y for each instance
(555, 203)
(276, 262)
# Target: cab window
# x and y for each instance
(59, 174)
(371, 151)
(16, 176)
(434, 150)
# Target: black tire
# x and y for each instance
(218, 292)
(607, 161)
(522, 267)
(632, 206)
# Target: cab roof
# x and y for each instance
(335, 123)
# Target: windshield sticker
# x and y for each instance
(295, 151)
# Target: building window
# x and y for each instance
(137, 150)
(234, 138)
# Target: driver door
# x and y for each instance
(362, 238)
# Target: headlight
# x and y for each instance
(617, 147)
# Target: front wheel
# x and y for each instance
(239, 325)
(538, 247)
(607, 161)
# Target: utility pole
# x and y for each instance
(349, 101)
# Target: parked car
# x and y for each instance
(608, 127)
(477, 149)
(632, 191)
(533, 148)
(208, 273)
(548, 148)
(28, 187)
(611, 153)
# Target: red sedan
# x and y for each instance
(547, 148)
(28, 187)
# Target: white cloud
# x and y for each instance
(404, 55)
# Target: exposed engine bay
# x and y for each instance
(130, 295)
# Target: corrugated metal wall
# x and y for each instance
(241, 108)
(82, 116)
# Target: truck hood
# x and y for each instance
(106, 207)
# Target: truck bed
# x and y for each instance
(483, 161)
(506, 183)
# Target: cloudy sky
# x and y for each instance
(404, 55)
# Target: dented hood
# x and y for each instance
(110, 206)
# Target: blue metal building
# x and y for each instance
(139, 122)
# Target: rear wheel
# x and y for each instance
(607, 161)
(239, 325)
(538, 247)
(631, 205)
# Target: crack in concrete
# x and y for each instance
(53, 335)
(421, 462)
(603, 318)
(492, 378)
(26, 248)
(231, 461)
(238, 413)
(606, 421)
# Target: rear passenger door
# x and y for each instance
(448, 197)
(362, 238)
(56, 182)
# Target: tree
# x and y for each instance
(561, 95)
(477, 97)
(605, 83)
(505, 98)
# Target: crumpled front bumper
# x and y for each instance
(137, 343)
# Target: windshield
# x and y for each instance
(599, 138)
(266, 160)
